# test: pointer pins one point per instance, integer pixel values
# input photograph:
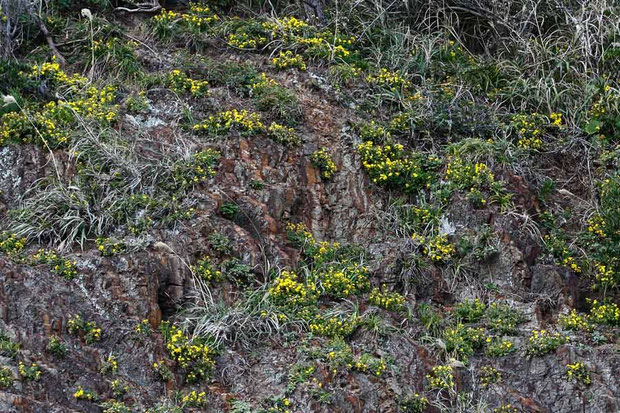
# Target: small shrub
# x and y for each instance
(220, 243)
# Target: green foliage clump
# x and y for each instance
(8, 348)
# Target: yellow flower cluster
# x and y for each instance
(283, 135)
(288, 59)
(529, 129)
(299, 235)
(52, 71)
(342, 281)
(604, 313)
(372, 131)
(199, 17)
(507, 408)
(333, 326)
(180, 82)
(48, 122)
(390, 301)
(499, 347)
(194, 399)
(31, 372)
(224, 122)
(556, 119)
(82, 394)
(262, 84)
(199, 169)
(503, 319)
(437, 248)
(97, 104)
(167, 16)
(489, 375)
(368, 363)
(11, 244)
(390, 166)
(190, 354)
(597, 110)
(60, 266)
(107, 247)
(470, 311)
(442, 377)
(77, 325)
(205, 270)
(542, 342)
(461, 341)
(15, 127)
(285, 27)
(389, 79)
(287, 290)
(578, 372)
(465, 175)
(323, 162)
(110, 365)
(6, 378)
(569, 262)
(574, 321)
(243, 40)
(143, 328)
(604, 275)
(596, 226)
(114, 46)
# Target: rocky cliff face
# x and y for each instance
(358, 256)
